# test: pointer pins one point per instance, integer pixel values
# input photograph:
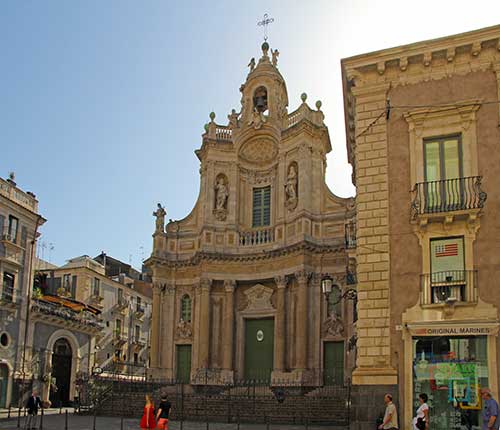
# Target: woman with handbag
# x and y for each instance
(421, 420)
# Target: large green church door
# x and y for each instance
(183, 363)
(333, 363)
(259, 349)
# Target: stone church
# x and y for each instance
(252, 284)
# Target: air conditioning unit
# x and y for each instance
(443, 294)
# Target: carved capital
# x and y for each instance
(281, 281)
(229, 285)
(302, 276)
(205, 284)
(169, 289)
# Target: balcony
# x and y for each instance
(120, 305)
(255, 237)
(138, 342)
(461, 196)
(119, 339)
(7, 298)
(450, 287)
(96, 301)
(139, 311)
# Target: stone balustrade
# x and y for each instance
(256, 237)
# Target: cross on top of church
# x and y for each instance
(264, 23)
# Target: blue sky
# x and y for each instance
(104, 102)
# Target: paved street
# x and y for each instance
(76, 422)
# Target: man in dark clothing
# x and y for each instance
(163, 412)
(32, 406)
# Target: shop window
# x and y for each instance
(186, 308)
(451, 370)
(261, 215)
(448, 278)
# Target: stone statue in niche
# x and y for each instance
(333, 325)
(291, 188)
(221, 196)
(160, 218)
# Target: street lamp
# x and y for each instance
(326, 288)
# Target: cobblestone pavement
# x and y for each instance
(55, 421)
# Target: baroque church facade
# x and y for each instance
(238, 282)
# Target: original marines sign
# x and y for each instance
(455, 330)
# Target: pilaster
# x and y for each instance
(280, 331)
(229, 287)
(301, 319)
(204, 340)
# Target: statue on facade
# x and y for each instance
(251, 64)
(221, 196)
(291, 188)
(333, 325)
(233, 119)
(160, 218)
(275, 54)
(258, 119)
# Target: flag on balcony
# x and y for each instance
(447, 250)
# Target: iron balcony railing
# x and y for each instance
(448, 195)
(449, 287)
(7, 295)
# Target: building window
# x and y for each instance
(66, 282)
(73, 286)
(448, 277)
(139, 305)
(261, 215)
(334, 301)
(443, 170)
(12, 232)
(136, 358)
(120, 296)
(118, 328)
(186, 308)
(8, 287)
(96, 288)
(137, 332)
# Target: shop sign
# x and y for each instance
(454, 331)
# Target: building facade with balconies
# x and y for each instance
(237, 283)
(422, 124)
(19, 223)
(124, 304)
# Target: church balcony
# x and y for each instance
(447, 199)
(256, 237)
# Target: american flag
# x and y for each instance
(447, 250)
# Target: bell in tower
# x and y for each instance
(260, 99)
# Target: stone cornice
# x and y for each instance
(423, 52)
(196, 259)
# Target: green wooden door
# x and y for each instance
(333, 363)
(183, 363)
(259, 349)
(4, 380)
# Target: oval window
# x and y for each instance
(4, 339)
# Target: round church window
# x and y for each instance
(4, 340)
(260, 335)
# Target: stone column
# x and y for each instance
(280, 331)
(167, 331)
(205, 285)
(301, 320)
(155, 326)
(227, 359)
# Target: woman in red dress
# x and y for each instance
(148, 419)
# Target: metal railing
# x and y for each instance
(7, 295)
(350, 235)
(449, 287)
(63, 312)
(448, 195)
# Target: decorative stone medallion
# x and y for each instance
(259, 151)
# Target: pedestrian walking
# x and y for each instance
(421, 420)
(148, 418)
(32, 406)
(390, 421)
(491, 414)
(163, 412)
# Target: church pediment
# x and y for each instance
(259, 298)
